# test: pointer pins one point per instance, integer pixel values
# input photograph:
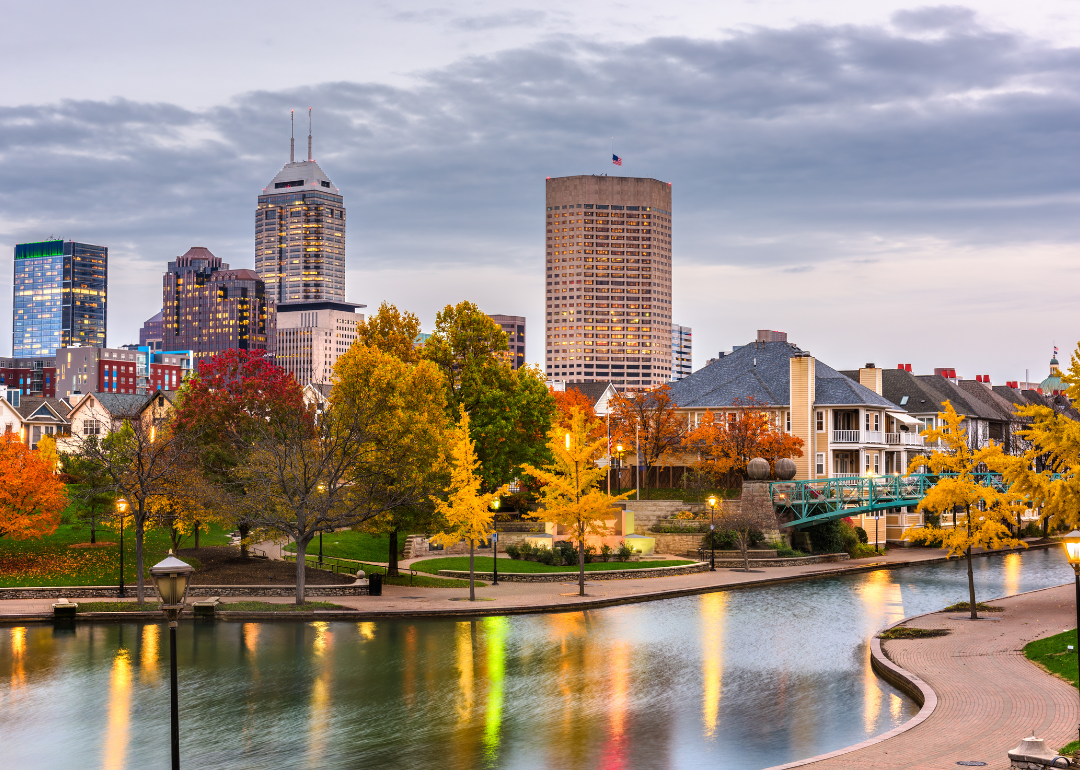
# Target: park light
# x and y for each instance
(1072, 548)
(568, 442)
(712, 501)
(122, 506)
(618, 448)
(171, 578)
(495, 504)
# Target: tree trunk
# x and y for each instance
(581, 566)
(93, 526)
(244, 529)
(301, 568)
(745, 554)
(971, 588)
(392, 569)
(196, 534)
(140, 583)
(472, 588)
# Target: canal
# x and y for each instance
(741, 679)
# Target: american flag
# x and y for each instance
(616, 160)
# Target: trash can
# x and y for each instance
(375, 584)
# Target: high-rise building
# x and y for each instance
(152, 333)
(60, 293)
(300, 234)
(682, 349)
(514, 326)
(311, 336)
(208, 308)
(608, 268)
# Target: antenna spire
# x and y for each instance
(309, 133)
(292, 137)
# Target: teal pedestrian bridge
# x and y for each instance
(807, 503)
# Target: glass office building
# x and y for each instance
(59, 298)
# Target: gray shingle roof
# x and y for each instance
(592, 390)
(121, 404)
(928, 393)
(28, 405)
(761, 370)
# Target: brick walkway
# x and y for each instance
(989, 696)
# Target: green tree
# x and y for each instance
(570, 495)
(509, 410)
(466, 510)
(391, 331)
(980, 512)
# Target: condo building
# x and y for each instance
(209, 308)
(300, 235)
(608, 273)
(682, 348)
(29, 376)
(312, 336)
(137, 371)
(59, 297)
(514, 326)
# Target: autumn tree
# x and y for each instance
(570, 495)
(139, 462)
(648, 419)
(961, 486)
(89, 491)
(223, 407)
(31, 496)
(566, 401)
(415, 427)
(509, 410)
(726, 443)
(1047, 474)
(391, 331)
(467, 510)
(744, 522)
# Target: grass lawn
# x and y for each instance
(347, 544)
(52, 561)
(272, 607)
(419, 581)
(1053, 654)
(116, 606)
(484, 564)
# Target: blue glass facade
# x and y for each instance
(59, 297)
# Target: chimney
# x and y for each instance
(870, 377)
(907, 367)
(766, 335)
(801, 399)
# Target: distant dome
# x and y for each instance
(1053, 385)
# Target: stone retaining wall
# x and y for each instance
(564, 577)
(359, 588)
(793, 561)
(670, 542)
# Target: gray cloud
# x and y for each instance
(786, 149)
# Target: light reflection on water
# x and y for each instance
(743, 679)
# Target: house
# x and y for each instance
(32, 417)
(317, 396)
(599, 393)
(848, 428)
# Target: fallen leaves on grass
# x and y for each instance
(903, 632)
(979, 607)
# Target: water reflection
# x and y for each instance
(745, 679)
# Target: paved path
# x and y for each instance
(536, 597)
(989, 696)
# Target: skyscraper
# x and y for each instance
(311, 336)
(60, 293)
(514, 326)
(682, 350)
(208, 308)
(608, 269)
(300, 234)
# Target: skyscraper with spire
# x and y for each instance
(300, 233)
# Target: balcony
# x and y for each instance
(876, 437)
(904, 439)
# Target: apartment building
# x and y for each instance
(514, 326)
(608, 261)
(30, 376)
(682, 352)
(312, 336)
(122, 371)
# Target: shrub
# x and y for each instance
(848, 536)
(513, 551)
(545, 556)
(625, 552)
(863, 537)
(590, 553)
(1032, 530)
(827, 537)
(684, 516)
(783, 549)
(605, 552)
(565, 552)
(862, 550)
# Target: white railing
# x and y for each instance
(892, 438)
(845, 475)
(911, 439)
(846, 437)
(871, 437)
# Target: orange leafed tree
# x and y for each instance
(31, 495)
(566, 401)
(725, 444)
(650, 418)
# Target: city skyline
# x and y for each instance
(888, 186)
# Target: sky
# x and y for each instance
(887, 182)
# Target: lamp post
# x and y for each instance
(1072, 549)
(712, 532)
(171, 578)
(637, 461)
(495, 542)
(121, 507)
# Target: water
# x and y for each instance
(741, 679)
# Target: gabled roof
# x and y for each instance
(116, 404)
(761, 370)
(927, 393)
(37, 409)
(305, 171)
(593, 391)
(983, 392)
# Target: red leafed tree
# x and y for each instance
(726, 443)
(31, 495)
(224, 404)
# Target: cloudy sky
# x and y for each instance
(886, 182)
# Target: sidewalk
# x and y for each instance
(989, 697)
(514, 598)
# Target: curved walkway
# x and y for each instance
(989, 696)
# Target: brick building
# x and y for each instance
(119, 370)
(30, 376)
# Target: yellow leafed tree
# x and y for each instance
(466, 510)
(978, 510)
(570, 494)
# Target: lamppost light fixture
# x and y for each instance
(121, 506)
(568, 442)
(712, 501)
(171, 578)
(1072, 548)
(495, 504)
